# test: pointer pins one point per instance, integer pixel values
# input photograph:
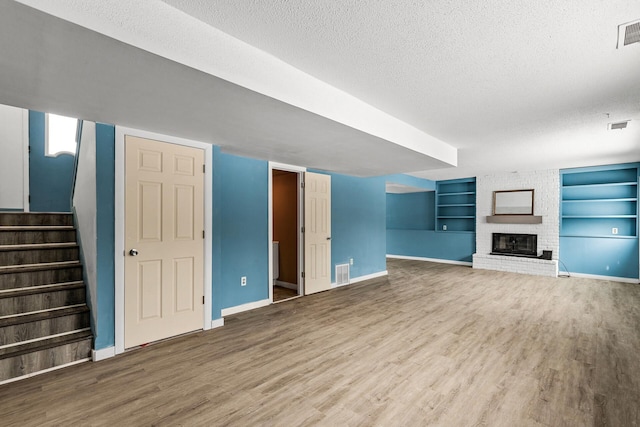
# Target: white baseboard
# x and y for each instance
(369, 276)
(362, 278)
(441, 261)
(103, 353)
(244, 307)
(287, 285)
(217, 323)
(598, 277)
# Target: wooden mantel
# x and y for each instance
(514, 219)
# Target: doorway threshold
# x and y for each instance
(287, 299)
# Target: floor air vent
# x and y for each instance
(342, 274)
(628, 33)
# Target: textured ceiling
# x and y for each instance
(513, 85)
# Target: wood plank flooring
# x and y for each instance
(432, 344)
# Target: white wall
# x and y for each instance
(13, 144)
(546, 186)
(84, 204)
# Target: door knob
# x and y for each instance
(133, 252)
(328, 238)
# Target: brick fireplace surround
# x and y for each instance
(546, 184)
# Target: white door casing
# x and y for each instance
(14, 160)
(300, 171)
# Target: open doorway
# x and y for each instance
(286, 235)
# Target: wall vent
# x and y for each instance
(618, 125)
(342, 274)
(628, 33)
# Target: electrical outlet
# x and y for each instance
(351, 261)
(614, 230)
(444, 227)
(243, 281)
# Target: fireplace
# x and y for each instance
(524, 245)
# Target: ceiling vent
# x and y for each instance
(628, 33)
(618, 125)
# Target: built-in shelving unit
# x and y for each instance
(456, 205)
(600, 203)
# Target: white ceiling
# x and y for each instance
(512, 85)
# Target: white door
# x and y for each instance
(164, 240)
(13, 158)
(317, 232)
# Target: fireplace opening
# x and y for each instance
(525, 245)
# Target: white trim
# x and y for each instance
(362, 278)
(300, 170)
(25, 159)
(208, 236)
(599, 277)
(270, 232)
(103, 353)
(369, 276)
(119, 240)
(245, 307)
(441, 261)
(286, 167)
(119, 224)
(44, 371)
(217, 323)
(301, 222)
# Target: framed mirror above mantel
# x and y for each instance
(513, 207)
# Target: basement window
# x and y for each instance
(60, 135)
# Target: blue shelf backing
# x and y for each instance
(599, 220)
(456, 205)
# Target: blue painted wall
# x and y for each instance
(411, 211)
(104, 330)
(411, 229)
(245, 230)
(50, 178)
(358, 223)
(599, 256)
(450, 245)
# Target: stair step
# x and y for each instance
(41, 324)
(36, 227)
(45, 322)
(55, 287)
(37, 218)
(43, 338)
(19, 276)
(29, 358)
(36, 246)
(18, 235)
(27, 300)
(36, 316)
(24, 348)
(38, 253)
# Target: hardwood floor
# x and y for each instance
(432, 344)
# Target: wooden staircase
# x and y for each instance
(44, 318)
